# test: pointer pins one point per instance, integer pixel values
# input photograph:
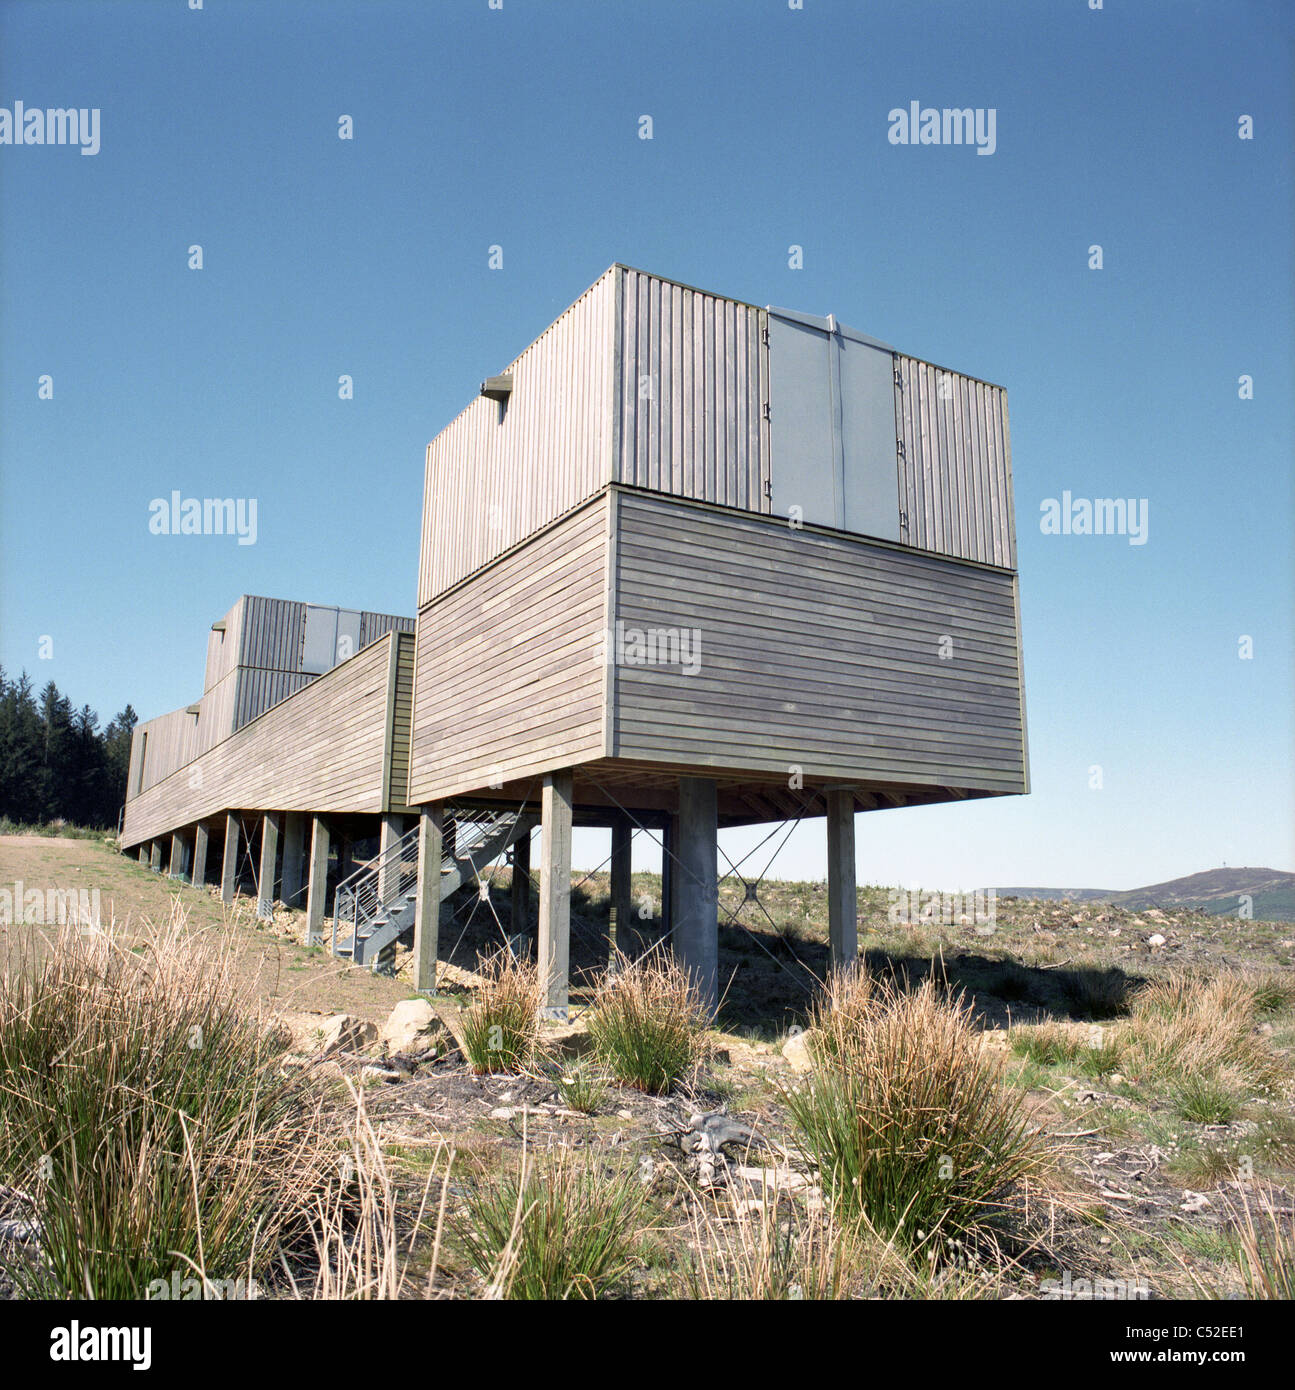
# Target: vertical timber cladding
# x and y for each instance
(693, 385)
(815, 651)
(510, 667)
(502, 471)
(955, 464)
(642, 381)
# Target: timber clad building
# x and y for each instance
(685, 563)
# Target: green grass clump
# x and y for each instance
(1045, 1044)
(646, 1024)
(1205, 1100)
(582, 1088)
(567, 1232)
(906, 1118)
(501, 1028)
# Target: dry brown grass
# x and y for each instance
(1200, 1026)
(647, 1023)
(501, 1027)
(906, 1115)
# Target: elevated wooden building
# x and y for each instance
(686, 563)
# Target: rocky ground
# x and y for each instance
(1142, 1194)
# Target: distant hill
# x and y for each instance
(1216, 891)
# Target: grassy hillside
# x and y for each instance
(1219, 892)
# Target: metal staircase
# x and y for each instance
(376, 904)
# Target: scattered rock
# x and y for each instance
(413, 1026)
(569, 1039)
(796, 1051)
(1194, 1201)
(316, 1034)
(778, 1179)
(381, 1071)
(1155, 940)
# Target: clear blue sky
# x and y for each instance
(520, 127)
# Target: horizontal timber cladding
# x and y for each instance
(816, 651)
(510, 665)
(503, 471)
(955, 464)
(402, 711)
(321, 750)
(694, 372)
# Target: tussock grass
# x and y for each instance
(646, 1024)
(906, 1116)
(144, 1114)
(501, 1027)
(1187, 1026)
(582, 1088)
(1206, 1100)
(567, 1231)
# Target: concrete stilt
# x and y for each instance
(265, 880)
(200, 837)
(143, 854)
(427, 915)
(155, 856)
(178, 867)
(842, 899)
(696, 890)
(317, 890)
(294, 848)
(229, 860)
(622, 906)
(555, 892)
(669, 848)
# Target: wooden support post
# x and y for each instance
(317, 888)
(229, 860)
(842, 899)
(622, 906)
(696, 887)
(200, 836)
(179, 852)
(393, 827)
(555, 893)
(155, 856)
(427, 911)
(269, 853)
(344, 864)
(143, 854)
(521, 885)
(294, 848)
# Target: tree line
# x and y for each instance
(55, 762)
